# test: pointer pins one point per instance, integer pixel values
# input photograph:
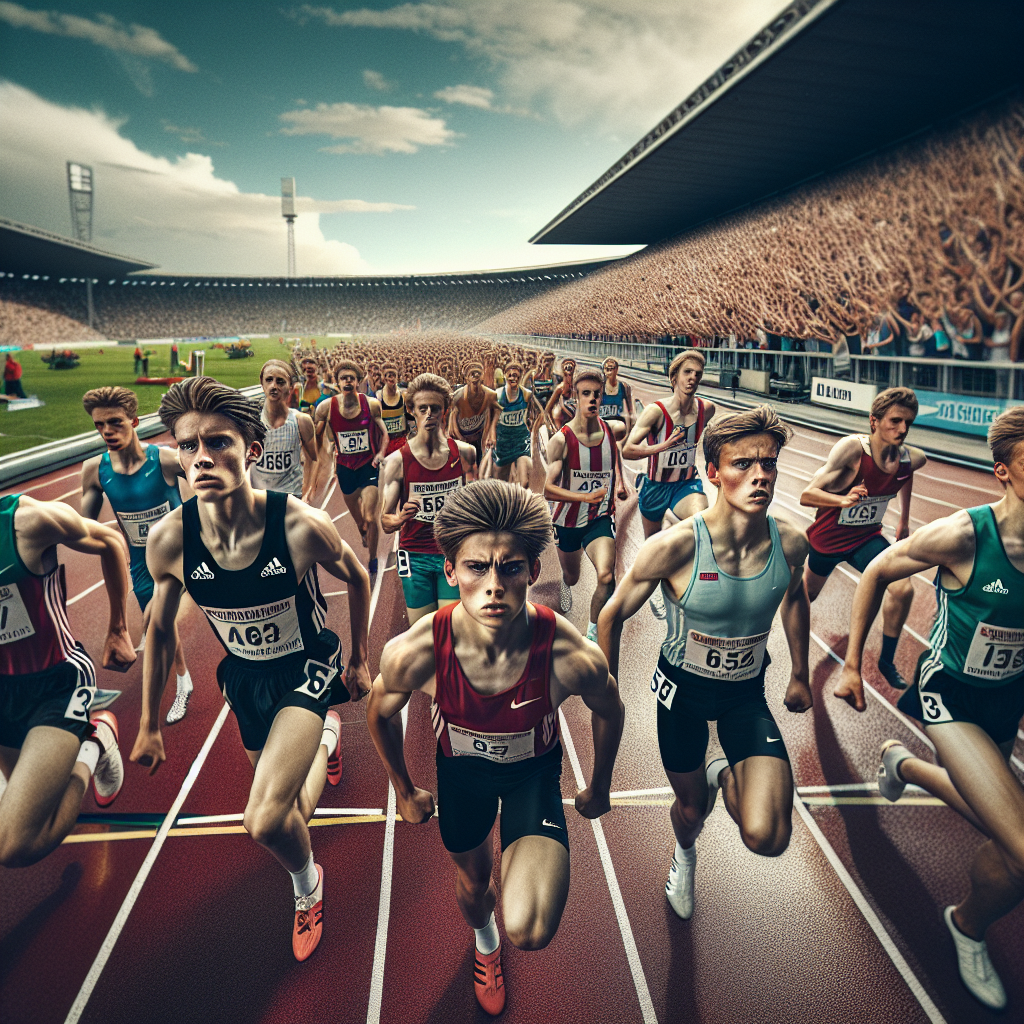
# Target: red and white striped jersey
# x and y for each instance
(680, 462)
(584, 470)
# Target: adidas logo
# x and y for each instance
(203, 572)
(273, 568)
(995, 587)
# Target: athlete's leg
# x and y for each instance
(690, 807)
(814, 583)
(758, 793)
(570, 562)
(524, 467)
(898, 598)
(694, 502)
(534, 888)
(474, 886)
(368, 509)
(500, 472)
(935, 779)
(354, 505)
(650, 526)
(601, 551)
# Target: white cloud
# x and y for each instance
(375, 80)
(468, 95)
(371, 130)
(136, 40)
(176, 213)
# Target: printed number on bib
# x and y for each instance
(732, 658)
(512, 418)
(501, 747)
(318, 677)
(663, 688)
(136, 525)
(431, 497)
(15, 623)
(353, 442)
(404, 568)
(996, 653)
(276, 462)
(679, 458)
(260, 633)
(81, 701)
(587, 481)
(933, 709)
(867, 511)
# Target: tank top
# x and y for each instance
(431, 487)
(719, 627)
(680, 462)
(978, 633)
(613, 406)
(543, 389)
(836, 530)
(512, 430)
(34, 630)
(356, 438)
(262, 612)
(393, 416)
(513, 725)
(584, 473)
(474, 422)
(309, 397)
(280, 466)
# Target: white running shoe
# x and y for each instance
(564, 598)
(679, 887)
(109, 775)
(713, 771)
(890, 784)
(103, 699)
(176, 712)
(976, 970)
(657, 604)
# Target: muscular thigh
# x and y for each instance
(534, 877)
(690, 505)
(283, 763)
(37, 777)
(765, 783)
(602, 553)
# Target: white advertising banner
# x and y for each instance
(842, 394)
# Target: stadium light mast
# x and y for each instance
(288, 212)
(80, 194)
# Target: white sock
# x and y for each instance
(487, 938)
(306, 879)
(680, 855)
(185, 682)
(89, 755)
(329, 739)
(591, 627)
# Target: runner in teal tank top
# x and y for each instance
(969, 693)
(510, 433)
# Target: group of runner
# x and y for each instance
(230, 519)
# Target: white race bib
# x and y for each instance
(395, 424)
(136, 525)
(501, 747)
(587, 481)
(353, 442)
(15, 623)
(512, 418)
(261, 633)
(81, 701)
(431, 497)
(679, 458)
(663, 688)
(867, 511)
(996, 653)
(276, 461)
(732, 658)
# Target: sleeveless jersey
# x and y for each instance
(356, 438)
(513, 725)
(262, 612)
(393, 416)
(568, 404)
(679, 463)
(978, 633)
(512, 430)
(543, 389)
(586, 469)
(836, 530)
(34, 630)
(613, 407)
(280, 467)
(308, 398)
(472, 423)
(719, 627)
(431, 487)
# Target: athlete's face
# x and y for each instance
(568, 369)
(512, 377)
(347, 381)
(116, 429)
(894, 426)
(212, 454)
(391, 379)
(1011, 474)
(687, 379)
(429, 410)
(309, 369)
(588, 397)
(493, 575)
(746, 474)
(474, 377)
(276, 386)
(611, 369)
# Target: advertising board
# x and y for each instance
(842, 394)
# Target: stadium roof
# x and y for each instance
(825, 83)
(29, 250)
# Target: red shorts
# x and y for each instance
(395, 443)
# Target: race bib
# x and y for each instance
(512, 418)
(260, 633)
(867, 511)
(15, 623)
(81, 701)
(933, 709)
(663, 688)
(276, 461)
(679, 458)
(395, 424)
(316, 677)
(731, 658)
(501, 747)
(611, 412)
(136, 525)
(587, 481)
(996, 653)
(353, 442)
(471, 424)
(431, 497)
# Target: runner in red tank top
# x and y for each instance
(852, 492)
(497, 669)
(418, 478)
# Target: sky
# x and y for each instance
(423, 137)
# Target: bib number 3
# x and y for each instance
(81, 701)
(933, 709)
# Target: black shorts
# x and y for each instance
(687, 702)
(944, 698)
(257, 690)
(352, 480)
(468, 790)
(859, 557)
(58, 696)
(572, 538)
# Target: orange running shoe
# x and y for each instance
(333, 723)
(309, 920)
(489, 982)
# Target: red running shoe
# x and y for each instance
(333, 723)
(309, 920)
(489, 982)
(109, 775)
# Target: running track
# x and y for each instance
(124, 923)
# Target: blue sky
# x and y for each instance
(423, 137)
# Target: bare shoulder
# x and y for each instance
(407, 661)
(578, 664)
(47, 522)
(794, 541)
(847, 450)
(466, 450)
(374, 405)
(918, 459)
(664, 554)
(303, 524)
(394, 466)
(943, 540)
(91, 472)
(709, 409)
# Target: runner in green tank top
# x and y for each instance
(969, 692)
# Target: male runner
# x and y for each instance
(561, 405)
(392, 409)
(290, 435)
(585, 486)
(496, 669)
(509, 435)
(248, 559)
(617, 400)
(969, 690)
(473, 409)
(361, 441)
(851, 492)
(141, 482)
(51, 741)
(541, 381)
(724, 573)
(418, 479)
(310, 394)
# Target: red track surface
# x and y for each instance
(771, 940)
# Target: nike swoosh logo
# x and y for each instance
(516, 707)
(774, 739)
(455, 463)
(551, 824)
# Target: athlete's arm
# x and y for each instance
(555, 456)
(617, 433)
(917, 460)
(796, 618)
(391, 521)
(650, 420)
(629, 409)
(92, 493)
(468, 455)
(320, 423)
(453, 419)
(828, 487)
(378, 419)
(492, 410)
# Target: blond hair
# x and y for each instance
(1005, 433)
(428, 382)
(762, 419)
(204, 394)
(112, 397)
(289, 370)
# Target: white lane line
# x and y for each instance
(75, 1013)
(955, 483)
(320, 812)
(851, 787)
(625, 794)
(1014, 759)
(330, 493)
(67, 494)
(335, 593)
(49, 483)
(632, 953)
(84, 593)
(858, 897)
(339, 515)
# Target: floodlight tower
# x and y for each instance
(80, 193)
(289, 214)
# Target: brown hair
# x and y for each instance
(347, 364)
(762, 419)
(1005, 433)
(289, 370)
(691, 354)
(428, 382)
(112, 397)
(493, 506)
(886, 399)
(583, 375)
(204, 394)
(513, 366)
